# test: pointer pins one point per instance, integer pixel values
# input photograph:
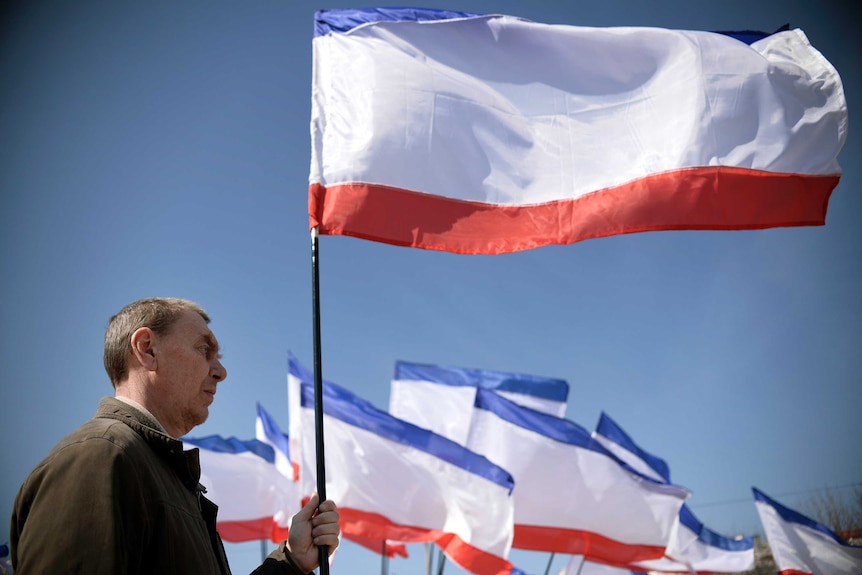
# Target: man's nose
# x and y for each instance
(218, 370)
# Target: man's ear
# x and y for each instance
(143, 348)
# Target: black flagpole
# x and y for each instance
(318, 389)
(550, 560)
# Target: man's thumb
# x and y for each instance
(310, 508)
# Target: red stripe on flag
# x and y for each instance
(575, 542)
(251, 530)
(709, 198)
(374, 525)
(267, 529)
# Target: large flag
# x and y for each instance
(572, 495)
(802, 546)
(693, 547)
(400, 482)
(441, 398)
(493, 134)
(255, 500)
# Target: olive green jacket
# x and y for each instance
(119, 497)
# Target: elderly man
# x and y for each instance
(119, 495)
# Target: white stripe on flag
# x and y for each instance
(801, 545)
(469, 132)
(441, 398)
(393, 480)
(572, 495)
(267, 431)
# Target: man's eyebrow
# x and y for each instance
(211, 341)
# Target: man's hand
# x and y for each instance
(311, 528)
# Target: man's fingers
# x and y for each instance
(329, 539)
(325, 528)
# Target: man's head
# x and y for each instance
(161, 353)
(157, 313)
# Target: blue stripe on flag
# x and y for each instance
(710, 537)
(561, 430)
(328, 21)
(273, 432)
(533, 385)
(341, 21)
(713, 539)
(347, 407)
(608, 428)
(792, 516)
(220, 444)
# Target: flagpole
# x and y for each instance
(318, 389)
(383, 559)
(429, 559)
(550, 560)
(583, 560)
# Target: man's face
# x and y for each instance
(187, 374)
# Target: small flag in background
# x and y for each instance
(401, 482)
(803, 546)
(693, 547)
(441, 398)
(492, 134)
(572, 495)
(255, 500)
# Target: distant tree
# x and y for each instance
(842, 514)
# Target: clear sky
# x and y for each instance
(162, 148)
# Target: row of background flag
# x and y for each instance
(480, 462)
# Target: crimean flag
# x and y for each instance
(488, 134)
(255, 500)
(400, 482)
(441, 398)
(802, 546)
(693, 548)
(600, 507)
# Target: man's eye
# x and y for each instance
(205, 349)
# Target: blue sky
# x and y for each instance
(162, 148)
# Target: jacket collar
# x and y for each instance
(186, 464)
